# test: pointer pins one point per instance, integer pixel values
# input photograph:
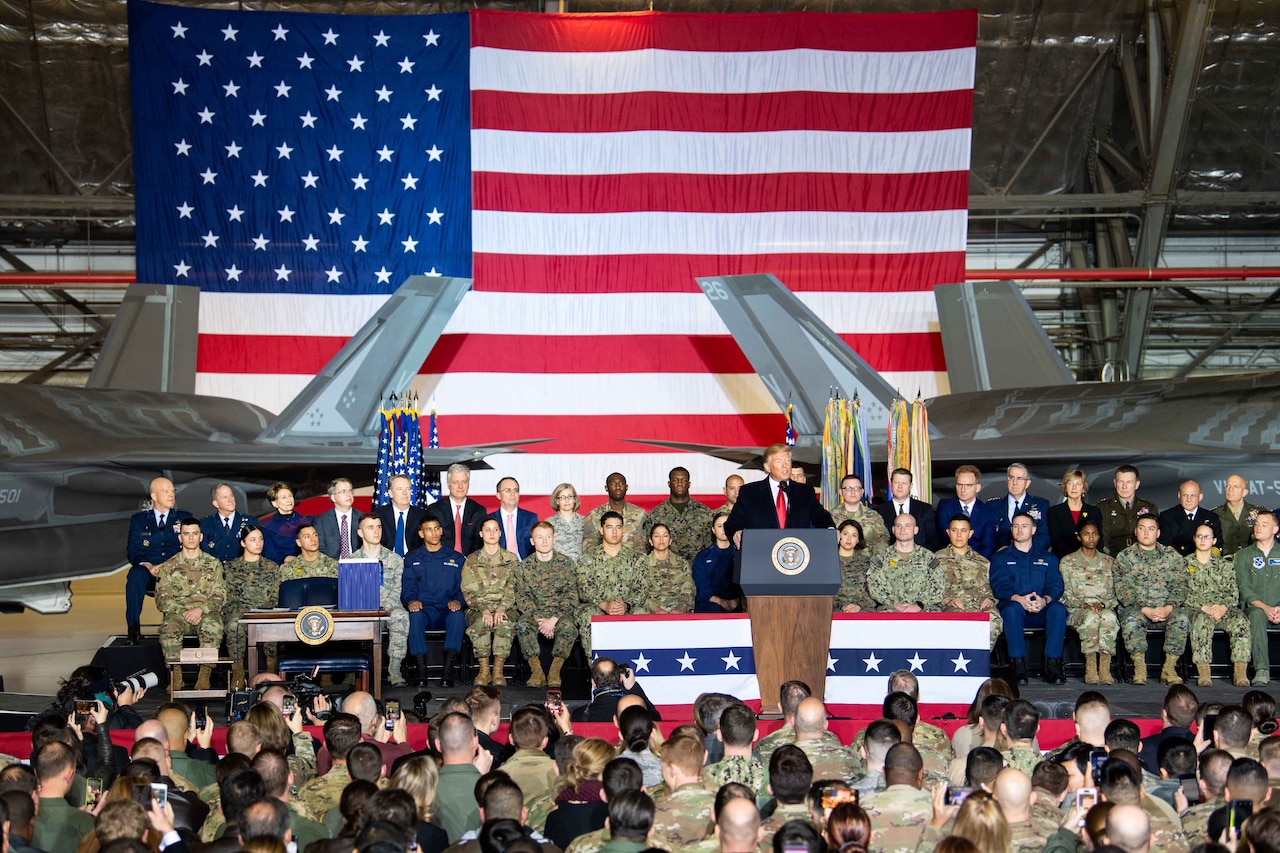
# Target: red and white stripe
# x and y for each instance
(615, 158)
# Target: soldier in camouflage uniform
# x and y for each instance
(488, 585)
(966, 572)
(253, 583)
(1213, 600)
(370, 529)
(851, 506)
(682, 817)
(687, 520)
(1120, 513)
(670, 581)
(635, 521)
(310, 562)
(1237, 516)
(612, 579)
(905, 578)
(829, 761)
(855, 560)
(190, 593)
(1089, 595)
(547, 589)
(899, 813)
(1151, 586)
(1258, 576)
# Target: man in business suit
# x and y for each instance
(901, 503)
(153, 538)
(1020, 500)
(516, 523)
(339, 527)
(460, 516)
(401, 520)
(1178, 523)
(776, 501)
(982, 517)
(222, 529)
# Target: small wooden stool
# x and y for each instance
(201, 657)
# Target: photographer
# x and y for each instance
(609, 683)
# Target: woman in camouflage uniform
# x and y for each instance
(852, 597)
(1213, 598)
(566, 520)
(253, 583)
(1090, 598)
(489, 587)
(670, 581)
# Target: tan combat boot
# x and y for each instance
(499, 680)
(1140, 667)
(202, 678)
(1104, 669)
(1204, 678)
(553, 677)
(1091, 669)
(537, 678)
(1167, 673)
(176, 684)
(1238, 675)
(237, 677)
(484, 677)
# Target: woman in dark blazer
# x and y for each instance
(1064, 517)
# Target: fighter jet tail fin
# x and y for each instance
(340, 406)
(797, 356)
(993, 341)
(151, 345)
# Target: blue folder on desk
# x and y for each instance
(359, 584)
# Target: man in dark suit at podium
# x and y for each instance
(775, 502)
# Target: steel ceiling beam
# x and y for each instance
(1165, 156)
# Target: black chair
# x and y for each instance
(329, 657)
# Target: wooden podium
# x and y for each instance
(789, 577)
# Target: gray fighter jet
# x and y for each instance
(76, 463)
(1018, 401)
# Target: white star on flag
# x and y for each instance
(333, 92)
(434, 217)
(360, 243)
(433, 94)
(258, 117)
(359, 181)
(260, 243)
(282, 89)
(210, 176)
(406, 67)
(355, 63)
(334, 274)
(409, 181)
(308, 120)
(305, 61)
(233, 273)
(384, 94)
(311, 243)
(410, 245)
(179, 31)
(180, 88)
(259, 179)
(330, 37)
(385, 217)
(730, 661)
(205, 57)
(280, 32)
(255, 59)
(235, 213)
(181, 269)
(873, 663)
(831, 662)
(381, 38)
(686, 662)
(917, 662)
(184, 148)
(641, 663)
(359, 122)
(433, 153)
(184, 211)
(232, 90)
(384, 154)
(961, 663)
(309, 180)
(206, 116)
(384, 275)
(282, 274)
(229, 34)
(432, 38)
(233, 150)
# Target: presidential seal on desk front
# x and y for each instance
(314, 625)
(790, 555)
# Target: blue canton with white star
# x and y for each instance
(280, 152)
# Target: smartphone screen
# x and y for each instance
(288, 706)
(832, 797)
(160, 792)
(1086, 798)
(85, 707)
(93, 791)
(1238, 812)
(141, 795)
(555, 701)
(1096, 760)
(957, 795)
(1191, 789)
(393, 713)
(202, 717)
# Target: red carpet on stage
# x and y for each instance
(1052, 733)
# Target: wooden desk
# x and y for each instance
(276, 626)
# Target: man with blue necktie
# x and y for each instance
(221, 530)
(1020, 500)
(153, 538)
(401, 520)
(981, 516)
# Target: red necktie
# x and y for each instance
(457, 529)
(782, 508)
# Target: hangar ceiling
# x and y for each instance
(1101, 131)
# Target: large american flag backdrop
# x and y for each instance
(583, 169)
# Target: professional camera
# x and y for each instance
(141, 680)
(303, 688)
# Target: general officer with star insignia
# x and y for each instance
(153, 538)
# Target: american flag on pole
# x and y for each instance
(583, 169)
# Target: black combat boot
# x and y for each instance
(449, 672)
(1020, 670)
(421, 662)
(1054, 672)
